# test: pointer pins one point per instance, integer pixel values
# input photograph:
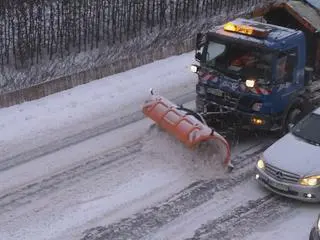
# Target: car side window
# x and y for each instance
(287, 62)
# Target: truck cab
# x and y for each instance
(251, 72)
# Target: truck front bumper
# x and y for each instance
(249, 121)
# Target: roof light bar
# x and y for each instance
(246, 30)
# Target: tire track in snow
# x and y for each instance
(242, 220)
(152, 219)
(26, 194)
(241, 161)
(109, 126)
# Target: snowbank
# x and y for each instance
(69, 112)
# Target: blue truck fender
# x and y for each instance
(302, 103)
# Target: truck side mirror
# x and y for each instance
(198, 56)
(308, 75)
(200, 40)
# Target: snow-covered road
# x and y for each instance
(83, 164)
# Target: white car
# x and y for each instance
(291, 166)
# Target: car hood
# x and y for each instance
(294, 155)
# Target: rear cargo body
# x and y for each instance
(301, 15)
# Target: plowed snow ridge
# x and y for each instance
(202, 163)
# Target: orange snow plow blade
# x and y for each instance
(186, 128)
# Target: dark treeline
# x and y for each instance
(32, 30)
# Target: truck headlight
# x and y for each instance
(194, 68)
(257, 121)
(310, 181)
(260, 164)
(250, 83)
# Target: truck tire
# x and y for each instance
(296, 112)
(293, 117)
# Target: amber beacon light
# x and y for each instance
(246, 30)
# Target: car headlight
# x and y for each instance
(260, 164)
(310, 181)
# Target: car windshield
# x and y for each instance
(307, 129)
(245, 61)
(314, 3)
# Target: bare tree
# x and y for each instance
(34, 30)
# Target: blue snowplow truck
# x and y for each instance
(261, 72)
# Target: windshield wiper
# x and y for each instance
(312, 142)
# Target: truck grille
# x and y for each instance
(228, 99)
(224, 98)
(281, 175)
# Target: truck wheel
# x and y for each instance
(297, 111)
(293, 117)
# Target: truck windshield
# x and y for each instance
(307, 129)
(233, 58)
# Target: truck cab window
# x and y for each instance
(286, 63)
(238, 59)
(214, 50)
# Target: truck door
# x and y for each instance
(317, 61)
(287, 78)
